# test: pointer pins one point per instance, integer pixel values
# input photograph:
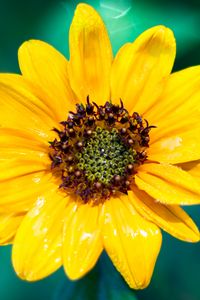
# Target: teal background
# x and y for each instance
(177, 274)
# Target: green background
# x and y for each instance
(177, 272)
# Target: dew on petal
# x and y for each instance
(143, 233)
(172, 143)
(36, 179)
(86, 236)
(39, 203)
(57, 259)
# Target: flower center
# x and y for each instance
(98, 150)
(104, 156)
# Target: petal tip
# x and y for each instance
(159, 36)
(84, 10)
(195, 238)
(83, 6)
(73, 274)
(166, 35)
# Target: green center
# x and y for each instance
(105, 156)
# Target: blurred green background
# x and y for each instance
(177, 272)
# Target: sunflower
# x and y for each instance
(97, 152)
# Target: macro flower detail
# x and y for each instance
(97, 153)
(98, 150)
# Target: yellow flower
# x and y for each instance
(113, 171)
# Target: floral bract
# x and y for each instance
(97, 152)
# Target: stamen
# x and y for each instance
(99, 149)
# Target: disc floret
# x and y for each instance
(98, 150)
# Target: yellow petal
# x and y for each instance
(12, 139)
(24, 134)
(139, 69)
(176, 148)
(132, 242)
(176, 115)
(193, 168)
(170, 218)
(90, 55)
(180, 98)
(189, 166)
(195, 171)
(37, 250)
(82, 245)
(20, 166)
(19, 193)
(46, 67)
(9, 224)
(21, 109)
(168, 184)
(16, 150)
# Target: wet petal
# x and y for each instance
(139, 69)
(20, 192)
(90, 55)
(82, 245)
(46, 67)
(174, 148)
(168, 184)
(176, 115)
(170, 218)
(37, 250)
(132, 242)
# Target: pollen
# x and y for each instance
(99, 150)
(105, 156)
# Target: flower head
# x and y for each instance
(97, 152)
